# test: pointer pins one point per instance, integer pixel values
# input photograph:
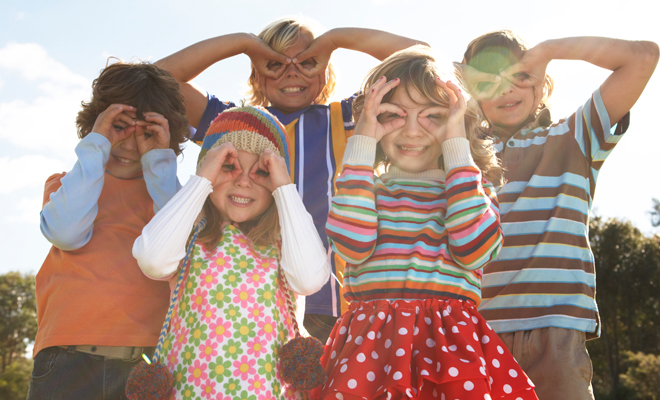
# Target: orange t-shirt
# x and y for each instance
(97, 295)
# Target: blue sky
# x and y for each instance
(51, 51)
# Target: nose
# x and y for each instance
(291, 70)
(412, 129)
(129, 144)
(243, 180)
(505, 87)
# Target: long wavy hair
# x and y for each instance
(416, 67)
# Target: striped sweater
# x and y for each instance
(413, 235)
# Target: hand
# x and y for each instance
(315, 59)
(270, 171)
(114, 123)
(446, 122)
(266, 61)
(368, 124)
(155, 133)
(221, 164)
(481, 85)
(530, 70)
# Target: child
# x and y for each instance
(97, 312)
(539, 294)
(232, 319)
(414, 239)
(289, 77)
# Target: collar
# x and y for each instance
(541, 120)
(430, 174)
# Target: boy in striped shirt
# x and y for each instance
(539, 294)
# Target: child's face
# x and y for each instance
(124, 161)
(241, 199)
(411, 148)
(292, 91)
(510, 106)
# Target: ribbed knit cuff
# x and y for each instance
(360, 150)
(457, 153)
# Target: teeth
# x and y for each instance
(293, 90)
(242, 200)
(412, 148)
(125, 160)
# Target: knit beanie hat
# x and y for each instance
(248, 128)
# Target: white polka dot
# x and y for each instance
(466, 314)
(361, 317)
(469, 348)
(467, 386)
(415, 353)
(406, 314)
(464, 360)
(454, 329)
(371, 376)
(485, 339)
(496, 363)
(374, 355)
(417, 312)
(378, 335)
(389, 318)
(333, 355)
(424, 373)
(483, 362)
(388, 343)
(482, 370)
(342, 330)
(409, 393)
(331, 382)
(400, 352)
(343, 368)
(475, 320)
(453, 372)
(329, 342)
(389, 396)
(437, 368)
(435, 393)
(427, 320)
(371, 319)
(358, 340)
(513, 373)
(462, 323)
(438, 314)
(343, 361)
(487, 397)
(490, 379)
(500, 350)
(489, 327)
(430, 342)
(428, 360)
(349, 338)
(361, 357)
(381, 315)
(445, 313)
(441, 330)
(415, 331)
(475, 337)
(529, 381)
(397, 376)
(507, 389)
(403, 331)
(453, 347)
(339, 396)
(371, 335)
(442, 396)
(444, 348)
(352, 383)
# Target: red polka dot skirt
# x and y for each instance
(419, 349)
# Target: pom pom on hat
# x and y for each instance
(149, 382)
(300, 364)
(248, 128)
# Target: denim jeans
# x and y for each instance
(61, 374)
(319, 325)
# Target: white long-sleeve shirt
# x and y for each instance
(161, 247)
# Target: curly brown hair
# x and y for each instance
(416, 67)
(498, 50)
(143, 86)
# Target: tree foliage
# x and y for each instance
(628, 295)
(18, 316)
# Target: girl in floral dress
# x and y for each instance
(414, 239)
(232, 318)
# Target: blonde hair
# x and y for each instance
(416, 67)
(498, 50)
(279, 35)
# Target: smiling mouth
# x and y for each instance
(292, 90)
(125, 160)
(404, 148)
(510, 105)
(241, 200)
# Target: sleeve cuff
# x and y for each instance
(456, 152)
(360, 150)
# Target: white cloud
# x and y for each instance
(20, 15)
(29, 171)
(28, 209)
(48, 120)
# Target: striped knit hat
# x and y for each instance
(248, 128)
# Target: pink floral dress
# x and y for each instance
(229, 324)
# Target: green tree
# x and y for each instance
(18, 316)
(14, 382)
(642, 375)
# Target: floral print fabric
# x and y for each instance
(229, 324)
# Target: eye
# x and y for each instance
(263, 173)
(484, 86)
(228, 167)
(387, 117)
(521, 76)
(274, 65)
(118, 128)
(147, 135)
(310, 62)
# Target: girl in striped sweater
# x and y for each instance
(415, 238)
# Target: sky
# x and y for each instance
(50, 52)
